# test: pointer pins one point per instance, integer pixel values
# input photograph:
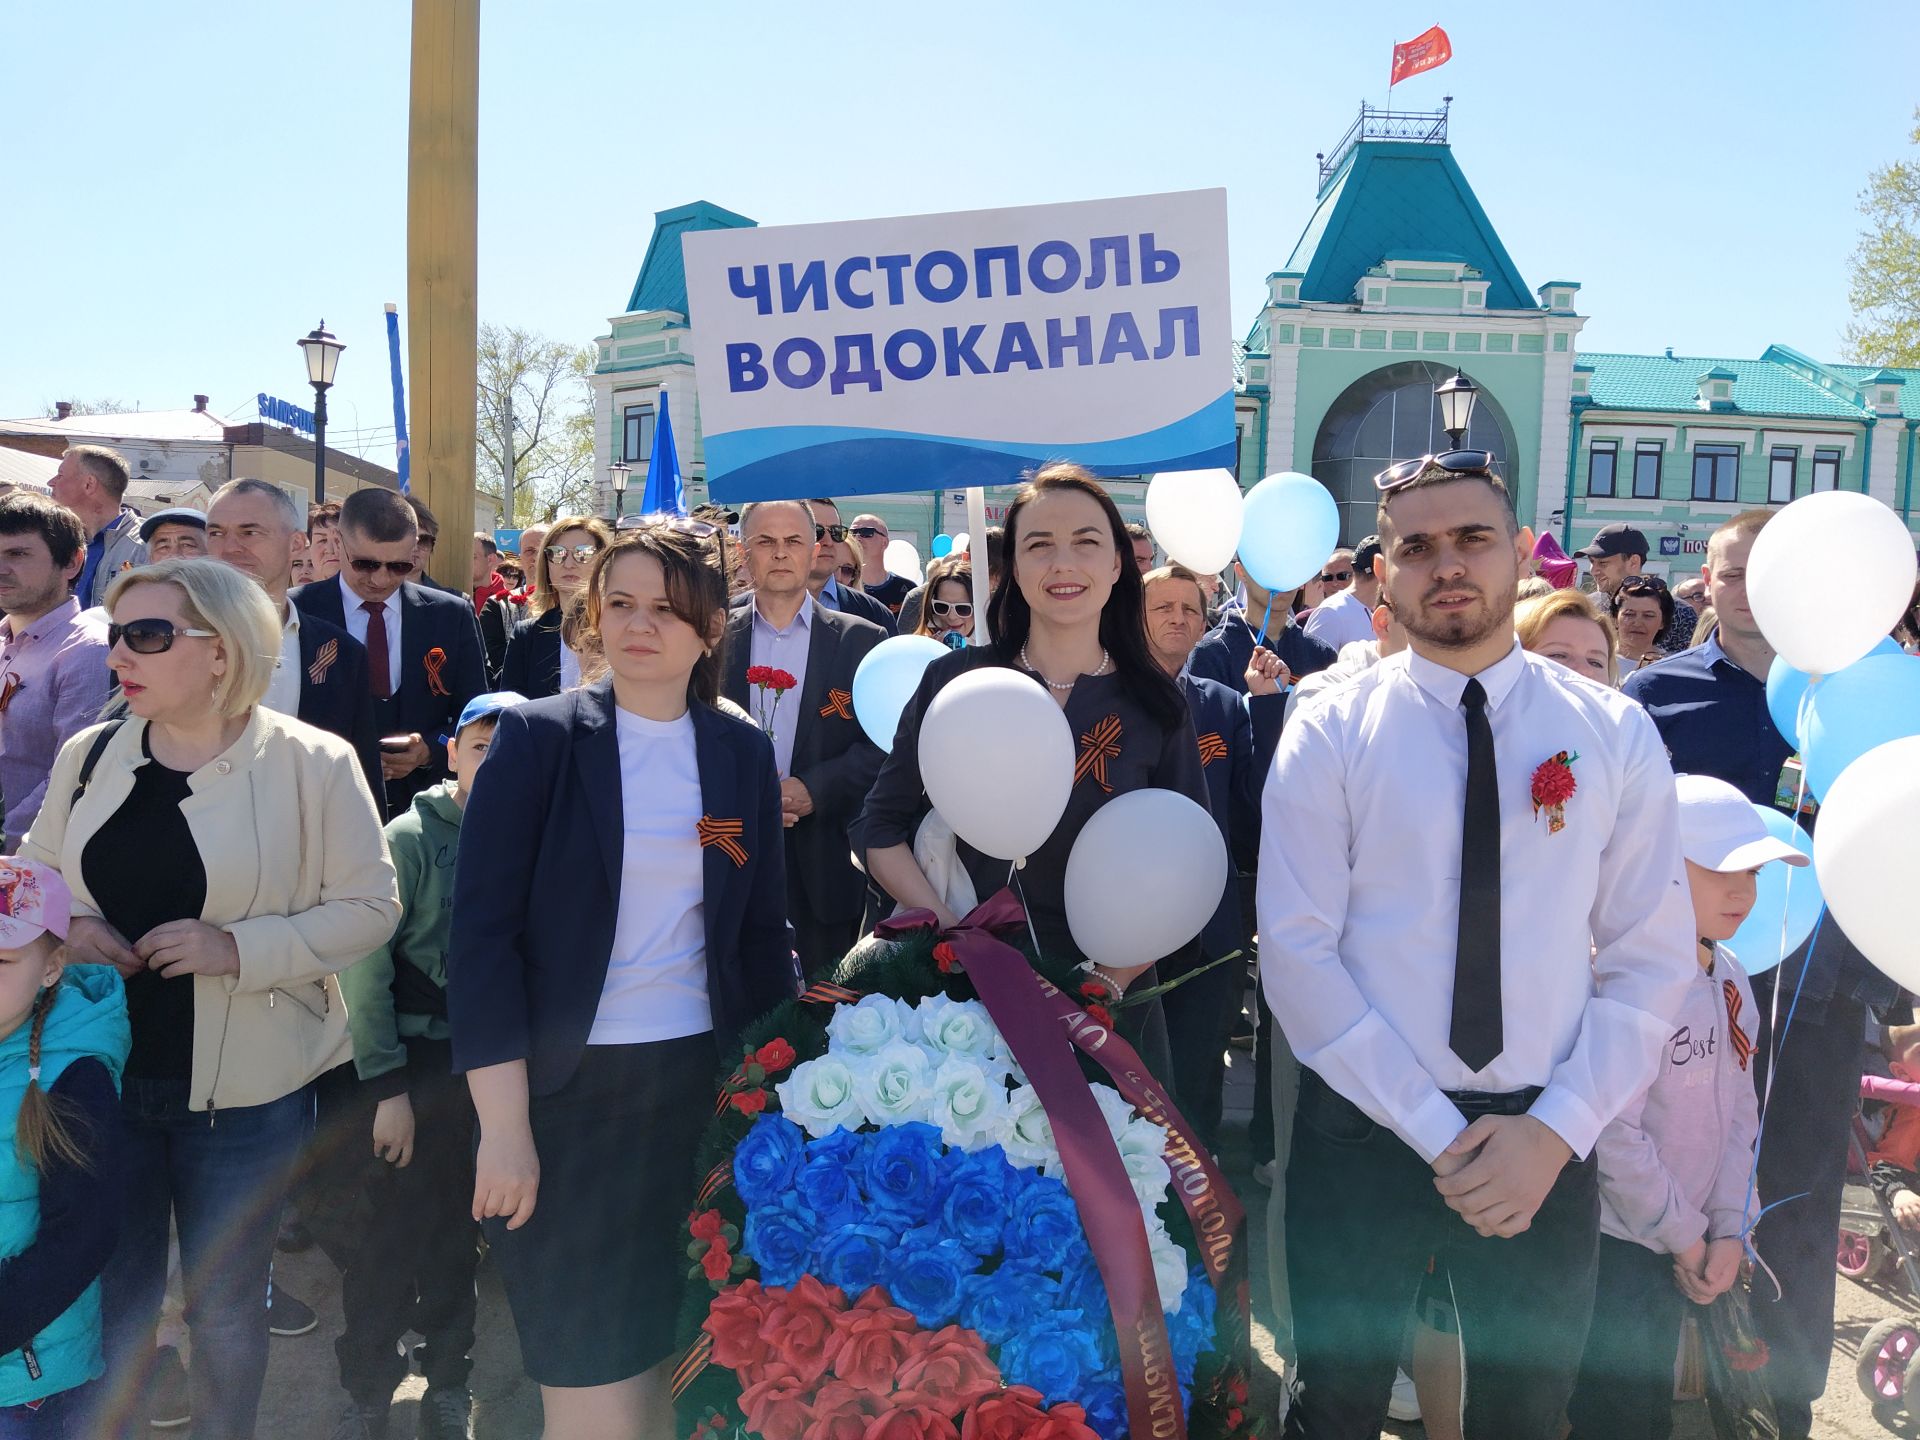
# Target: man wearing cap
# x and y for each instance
(1346, 615)
(1619, 551)
(179, 533)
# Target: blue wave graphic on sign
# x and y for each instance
(790, 461)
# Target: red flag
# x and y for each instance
(1420, 54)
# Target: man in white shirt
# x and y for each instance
(1477, 966)
(1353, 594)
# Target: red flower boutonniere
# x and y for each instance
(772, 684)
(1553, 786)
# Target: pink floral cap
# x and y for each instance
(33, 900)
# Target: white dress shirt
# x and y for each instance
(1360, 895)
(357, 627)
(283, 690)
(1341, 620)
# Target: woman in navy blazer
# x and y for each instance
(598, 975)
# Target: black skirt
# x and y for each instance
(594, 1279)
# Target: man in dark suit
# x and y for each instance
(826, 760)
(831, 546)
(322, 677)
(424, 659)
(1224, 653)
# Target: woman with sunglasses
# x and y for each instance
(605, 970)
(228, 860)
(948, 606)
(538, 663)
(1643, 608)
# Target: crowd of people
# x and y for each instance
(331, 891)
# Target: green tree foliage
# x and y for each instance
(1884, 285)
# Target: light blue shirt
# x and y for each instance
(830, 594)
(783, 649)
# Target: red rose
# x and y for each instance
(1013, 1414)
(840, 1412)
(733, 1320)
(750, 1102)
(758, 674)
(1063, 1422)
(915, 1423)
(717, 1263)
(774, 1056)
(706, 1225)
(948, 1372)
(874, 1343)
(877, 1298)
(801, 1328)
(776, 1409)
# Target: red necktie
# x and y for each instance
(379, 672)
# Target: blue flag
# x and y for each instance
(403, 460)
(663, 495)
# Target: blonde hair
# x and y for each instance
(1532, 617)
(47, 1128)
(1534, 587)
(219, 598)
(545, 597)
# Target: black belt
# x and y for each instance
(1472, 1103)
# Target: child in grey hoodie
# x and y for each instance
(1675, 1166)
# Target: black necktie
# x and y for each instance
(1476, 1033)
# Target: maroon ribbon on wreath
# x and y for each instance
(1032, 1013)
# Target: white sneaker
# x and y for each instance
(1405, 1404)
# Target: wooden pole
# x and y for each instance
(443, 182)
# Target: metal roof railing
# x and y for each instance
(1374, 123)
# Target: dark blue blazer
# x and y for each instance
(537, 885)
(334, 694)
(863, 606)
(429, 620)
(532, 665)
(1231, 730)
(1223, 652)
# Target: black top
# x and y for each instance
(891, 591)
(144, 870)
(1149, 755)
(531, 664)
(79, 1212)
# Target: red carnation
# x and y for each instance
(716, 1263)
(1102, 1014)
(776, 1409)
(1553, 786)
(734, 1321)
(1744, 1360)
(774, 1056)
(706, 1225)
(779, 680)
(945, 958)
(757, 674)
(948, 1372)
(750, 1102)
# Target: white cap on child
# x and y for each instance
(33, 898)
(1720, 829)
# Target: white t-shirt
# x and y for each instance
(656, 986)
(570, 667)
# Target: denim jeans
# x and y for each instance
(220, 1176)
(58, 1417)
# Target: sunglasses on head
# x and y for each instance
(835, 533)
(867, 532)
(1454, 462)
(1336, 577)
(152, 637)
(1643, 585)
(399, 569)
(951, 609)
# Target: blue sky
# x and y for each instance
(190, 188)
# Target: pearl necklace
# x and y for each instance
(1031, 668)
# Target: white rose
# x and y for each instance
(1029, 1139)
(1149, 1174)
(865, 1026)
(958, 1028)
(969, 1104)
(1169, 1265)
(819, 1097)
(1114, 1107)
(894, 1085)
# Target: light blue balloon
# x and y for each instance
(942, 545)
(886, 680)
(1850, 711)
(1291, 525)
(1786, 687)
(1789, 891)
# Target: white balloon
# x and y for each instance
(1195, 516)
(903, 559)
(1145, 876)
(996, 757)
(960, 543)
(1863, 852)
(1835, 532)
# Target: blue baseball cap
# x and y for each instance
(482, 707)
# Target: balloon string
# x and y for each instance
(1779, 1037)
(1261, 638)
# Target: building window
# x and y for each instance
(1716, 473)
(1646, 470)
(1826, 470)
(1602, 461)
(639, 438)
(1783, 473)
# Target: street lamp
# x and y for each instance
(618, 473)
(323, 358)
(1456, 396)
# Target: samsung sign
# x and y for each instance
(282, 412)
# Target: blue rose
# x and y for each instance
(1191, 1331)
(846, 1149)
(779, 1238)
(1082, 1289)
(1045, 1224)
(1055, 1355)
(767, 1160)
(830, 1190)
(926, 1279)
(1105, 1402)
(905, 1176)
(1000, 1305)
(975, 1210)
(854, 1257)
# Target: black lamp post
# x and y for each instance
(618, 473)
(1456, 396)
(323, 357)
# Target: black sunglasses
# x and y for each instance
(152, 637)
(1336, 577)
(954, 609)
(1643, 585)
(866, 532)
(836, 533)
(399, 569)
(1454, 462)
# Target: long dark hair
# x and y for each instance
(1123, 621)
(688, 559)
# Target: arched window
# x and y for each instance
(1391, 415)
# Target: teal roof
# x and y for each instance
(1404, 199)
(1909, 391)
(1768, 386)
(662, 282)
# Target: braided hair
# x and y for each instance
(49, 1129)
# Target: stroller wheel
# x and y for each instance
(1859, 1255)
(1885, 1354)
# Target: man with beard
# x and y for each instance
(1452, 1098)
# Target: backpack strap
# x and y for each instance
(94, 752)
